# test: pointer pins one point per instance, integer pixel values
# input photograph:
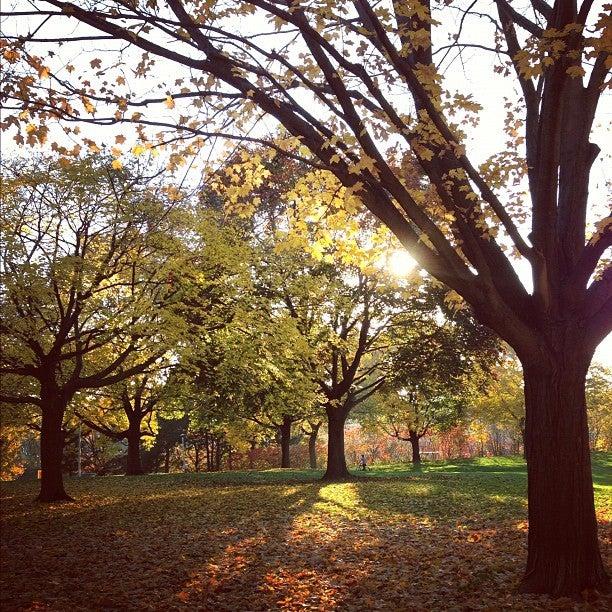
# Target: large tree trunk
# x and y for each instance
(285, 439)
(134, 465)
(52, 449)
(563, 552)
(336, 461)
(416, 448)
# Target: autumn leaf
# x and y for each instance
(277, 540)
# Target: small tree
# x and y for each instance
(440, 357)
(409, 414)
(599, 401)
(502, 404)
(120, 411)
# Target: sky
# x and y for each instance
(488, 89)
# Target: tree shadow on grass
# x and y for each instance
(427, 542)
(136, 548)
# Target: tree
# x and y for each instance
(322, 275)
(343, 314)
(440, 357)
(86, 289)
(311, 429)
(410, 414)
(171, 431)
(599, 400)
(136, 398)
(352, 56)
(256, 369)
(502, 404)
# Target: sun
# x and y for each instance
(400, 263)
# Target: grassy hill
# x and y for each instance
(453, 534)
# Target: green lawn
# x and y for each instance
(451, 535)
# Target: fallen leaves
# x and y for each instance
(427, 542)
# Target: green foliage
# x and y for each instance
(599, 406)
(90, 254)
(502, 405)
(438, 363)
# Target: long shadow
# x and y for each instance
(118, 548)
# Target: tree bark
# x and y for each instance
(312, 448)
(416, 448)
(134, 465)
(218, 453)
(563, 551)
(285, 440)
(336, 461)
(52, 448)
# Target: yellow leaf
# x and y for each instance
(117, 165)
(169, 102)
(575, 72)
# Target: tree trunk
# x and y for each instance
(196, 466)
(218, 452)
(52, 449)
(416, 448)
(312, 448)
(167, 460)
(563, 552)
(285, 439)
(134, 465)
(336, 461)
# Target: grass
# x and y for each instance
(453, 534)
